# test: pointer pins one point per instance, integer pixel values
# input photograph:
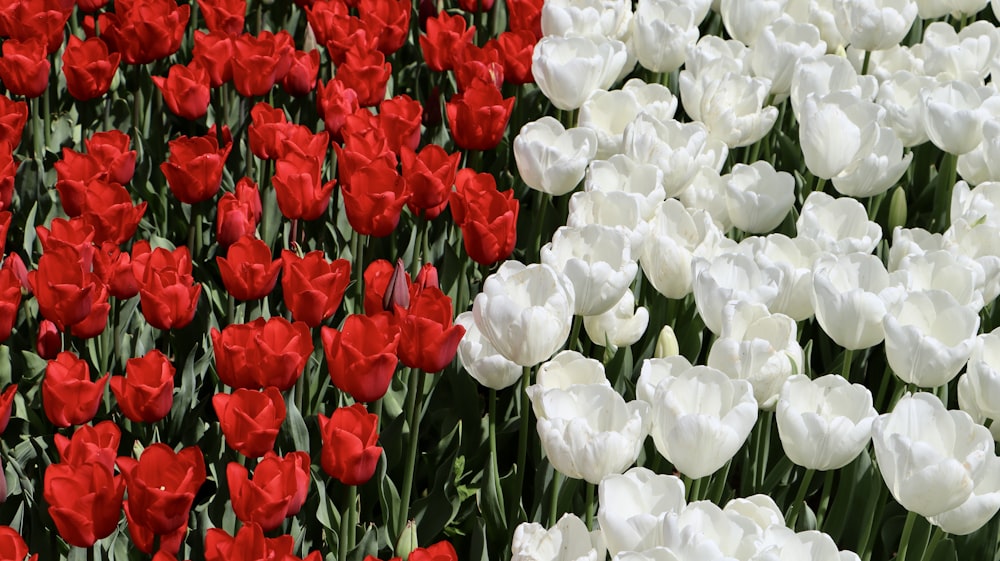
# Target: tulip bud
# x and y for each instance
(666, 343)
(49, 341)
(407, 540)
(897, 209)
(397, 293)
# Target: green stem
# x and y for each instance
(904, 540)
(864, 65)
(415, 385)
(358, 251)
(418, 247)
(800, 497)
(820, 183)
(718, 486)
(557, 480)
(824, 500)
(868, 522)
(942, 199)
(591, 505)
(494, 458)
(764, 446)
(524, 410)
(694, 489)
(848, 356)
(574, 333)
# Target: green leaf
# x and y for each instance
(296, 426)
(944, 550)
(388, 498)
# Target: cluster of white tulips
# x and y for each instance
(663, 196)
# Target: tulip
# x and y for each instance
(361, 356)
(929, 337)
(839, 226)
(623, 325)
(247, 271)
(828, 74)
(525, 311)
(249, 419)
(758, 197)
(349, 451)
(607, 113)
(374, 198)
(260, 61)
(224, 16)
(516, 49)
(477, 117)
(959, 54)
(568, 540)
(950, 106)
(62, 288)
(696, 436)
(661, 32)
(481, 359)
(761, 509)
(730, 104)
(979, 165)
(262, 353)
(145, 30)
(597, 261)
(569, 69)
(85, 501)
(931, 458)
(617, 209)
(428, 339)
(707, 192)
(677, 235)
(552, 159)
(446, 36)
(90, 445)
(836, 130)
(167, 291)
(793, 257)
(185, 90)
(850, 295)
(678, 149)
(69, 397)
(643, 181)
(979, 387)
(10, 300)
(731, 276)
(250, 543)
(312, 286)
(89, 67)
(824, 423)
(194, 167)
(12, 545)
(979, 508)
(162, 485)
(633, 505)
(15, 116)
(6, 405)
(366, 72)
(779, 46)
(238, 213)
(566, 18)
(430, 176)
(570, 368)
(589, 431)
(24, 67)
(145, 393)
(900, 96)
(277, 490)
(214, 53)
(487, 217)
(298, 183)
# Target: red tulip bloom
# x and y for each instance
(6, 404)
(379, 275)
(24, 67)
(349, 33)
(367, 73)
(277, 490)
(447, 35)
(259, 62)
(69, 397)
(361, 148)
(10, 301)
(475, 6)
(238, 213)
(479, 64)
(13, 117)
(335, 102)
(312, 286)
(248, 272)
(525, 15)
(298, 184)
(301, 76)
(214, 52)
(374, 199)
(62, 287)
(186, 90)
(250, 420)
(97, 444)
(161, 486)
(143, 538)
(97, 320)
(36, 19)
(517, 47)
(487, 217)
(89, 67)
(430, 176)
(223, 16)
(12, 545)
(268, 129)
(111, 151)
(262, 353)
(428, 339)
(8, 171)
(350, 454)
(399, 118)
(194, 167)
(109, 209)
(249, 544)
(74, 235)
(15, 264)
(85, 501)
(168, 294)
(361, 356)
(441, 551)
(388, 20)
(49, 340)
(114, 267)
(145, 30)
(477, 117)
(146, 391)
(73, 171)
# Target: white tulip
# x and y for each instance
(836, 131)
(825, 75)
(570, 368)
(850, 294)
(979, 387)
(661, 33)
(931, 458)
(736, 536)
(877, 171)
(746, 19)
(982, 163)
(953, 115)
(839, 226)
(656, 100)
(873, 25)
(621, 326)
(979, 508)
(712, 50)
(950, 271)
(824, 423)
(655, 370)
(678, 149)
(794, 258)
(758, 197)
(481, 359)
(621, 173)
(758, 347)
(597, 260)
(707, 192)
(607, 113)
(914, 241)
(759, 508)
(552, 159)
(616, 209)
(633, 506)
(731, 104)
(899, 95)
(728, 277)
(701, 418)
(977, 240)
(568, 540)
(779, 46)
(525, 312)
(598, 19)
(959, 55)
(569, 69)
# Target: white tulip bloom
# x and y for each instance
(759, 508)
(569, 368)
(633, 507)
(661, 33)
(621, 173)
(779, 47)
(758, 347)
(569, 69)
(953, 115)
(914, 241)
(678, 149)
(714, 50)
(707, 192)
(873, 25)
(899, 95)
(552, 159)
(525, 312)
(824, 423)
(931, 458)
(982, 163)
(794, 258)
(600, 19)
(836, 131)
(746, 19)
(825, 75)
(729, 277)
(568, 540)
(950, 271)
(607, 113)
(598, 262)
(758, 197)
(979, 387)
(877, 171)
(959, 55)
(701, 418)
(621, 326)
(850, 294)
(616, 209)
(481, 359)
(839, 226)
(655, 370)
(676, 236)
(979, 508)
(731, 104)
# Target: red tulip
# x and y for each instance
(13, 117)
(62, 288)
(388, 20)
(441, 551)
(366, 72)
(348, 33)
(74, 236)
(268, 129)
(6, 404)
(110, 150)
(378, 277)
(349, 451)
(475, 6)
(248, 272)
(399, 118)
(477, 117)
(146, 391)
(301, 76)
(250, 419)
(249, 544)
(238, 213)
(262, 353)
(312, 286)
(114, 267)
(374, 199)
(85, 501)
(214, 52)
(8, 171)
(24, 67)
(73, 171)
(487, 217)
(186, 90)
(109, 209)
(10, 301)
(97, 444)
(259, 62)
(168, 294)
(276, 491)
(194, 167)
(145, 30)
(36, 19)
(49, 340)
(525, 15)
(97, 320)
(446, 36)
(335, 102)
(12, 545)
(89, 67)
(69, 397)
(361, 356)
(298, 184)
(430, 176)
(517, 47)
(479, 64)
(161, 486)
(364, 143)
(143, 537)
(224, 16)
(428, 339)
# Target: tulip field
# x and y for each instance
(499, 280)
